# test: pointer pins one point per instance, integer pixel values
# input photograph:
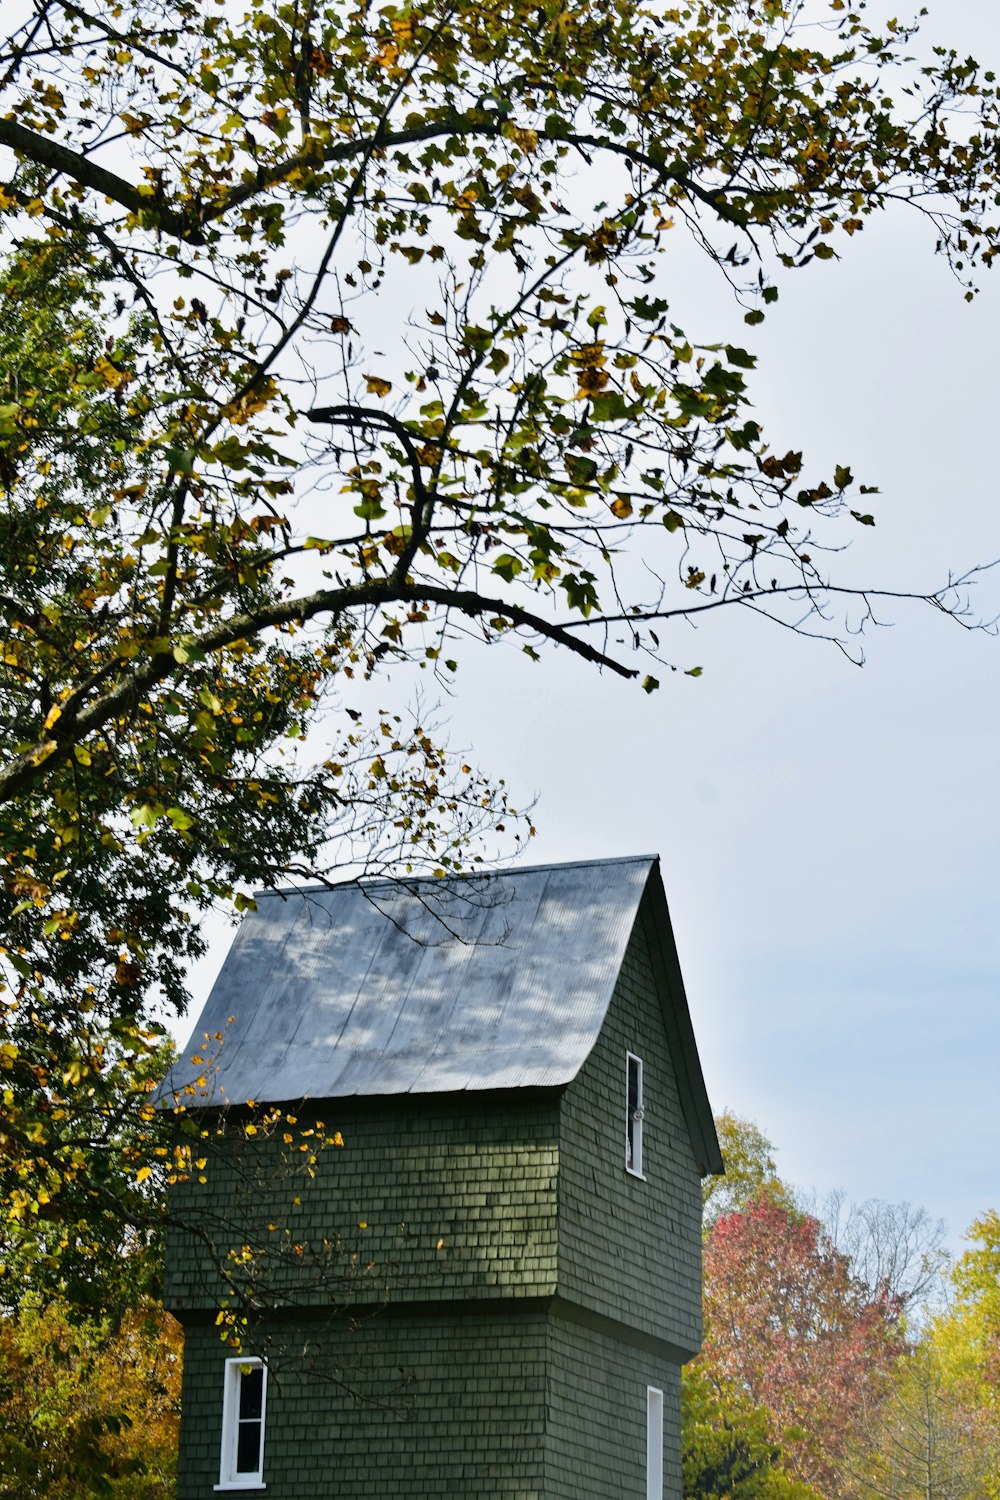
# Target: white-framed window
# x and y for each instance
(633, 1113)
(654, 1443)
(244, 1400)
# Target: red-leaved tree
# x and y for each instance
(788, 1324)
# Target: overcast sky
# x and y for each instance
(829, 835)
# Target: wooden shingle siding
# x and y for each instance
(466, 1402)
(474, 1173)
(630, 1247)
(595, 1445)
(451, 1404)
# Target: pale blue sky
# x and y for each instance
(829, 836)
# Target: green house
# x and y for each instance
(490, 1287)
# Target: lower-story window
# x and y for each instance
(243, 1403)
(654, 1443)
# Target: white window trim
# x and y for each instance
(635, 1165)
(654, 1443)
(228, 1477)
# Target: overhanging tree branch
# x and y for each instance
(82, 714)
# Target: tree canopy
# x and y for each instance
(333, 336)
(728, 1451)
(842, 1355)
(926, 1439)
(789, 1326)
(751, 1174)
(89, 1408)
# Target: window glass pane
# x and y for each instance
(633, 1085)
(251, 1393)
(248, 1448)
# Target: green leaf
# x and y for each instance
(740, 357)
(581, 470)
(611, 406)
(650, 309)
(181, 460)
(147, 815)
(507, 566)
(370, 509)
(580, 592)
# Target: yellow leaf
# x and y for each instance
(143, 1173)
(376, 386)
(110, 374)
(526, 139)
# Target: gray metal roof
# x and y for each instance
(428, 986)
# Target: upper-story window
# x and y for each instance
(243, 1402)
(633, 1113)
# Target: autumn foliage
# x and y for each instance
(788, 1325)
(88, 1407)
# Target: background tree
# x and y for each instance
(976, 1280)
(924, 1439)
(840, 1349)
(788, 1325)
(895, 1249)
(728, 1448)
(751, 1174)
(331, 337)
(966, 1335)
(88, 1408)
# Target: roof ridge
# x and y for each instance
(464, 875)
